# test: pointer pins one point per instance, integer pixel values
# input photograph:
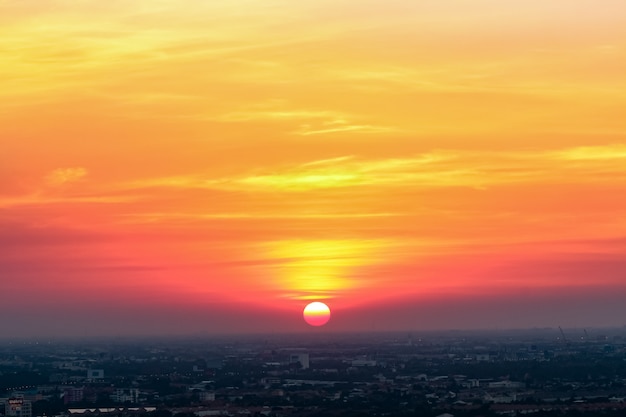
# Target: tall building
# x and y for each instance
(18, 407)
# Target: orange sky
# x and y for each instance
(201, 166)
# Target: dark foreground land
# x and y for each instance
(539, 372)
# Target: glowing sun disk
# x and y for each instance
(316, 314)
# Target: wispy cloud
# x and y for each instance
(235, 217)
(302, 180)
(329, 161)
(308, 122)
(62, 176)
(474, 169)
(44, 200)
(308, 130)
(277, 114)
(593, 153)
(152, 217)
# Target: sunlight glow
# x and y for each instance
(322, 268)
(258, 154)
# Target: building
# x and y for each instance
(73, 395)
(302, 358)
(206, 396)
(18, 407)
(363, 363)
(123, 395)
(94, 374)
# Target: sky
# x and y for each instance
(201, 167)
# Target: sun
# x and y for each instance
(316, 314)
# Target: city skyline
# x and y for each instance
(209, 167)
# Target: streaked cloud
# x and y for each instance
(168, 216)
(458, 168)
(267, 115)
(329, 161)
(594, 153)
(42, 200)
(342, 127)
(447, 169)
(62, 176)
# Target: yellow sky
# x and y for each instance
(348, 151)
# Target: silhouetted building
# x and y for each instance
(302, 358)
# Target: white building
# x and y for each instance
(123, 395)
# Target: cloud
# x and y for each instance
(308, 130)
(328, 161)
(164, 216)
(16, 234)
(277, 114)
(435, 169)
(311, 122)
(62, 176)
(303, 180)
(40, 200)
(593, 153)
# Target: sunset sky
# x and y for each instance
(200, 167)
